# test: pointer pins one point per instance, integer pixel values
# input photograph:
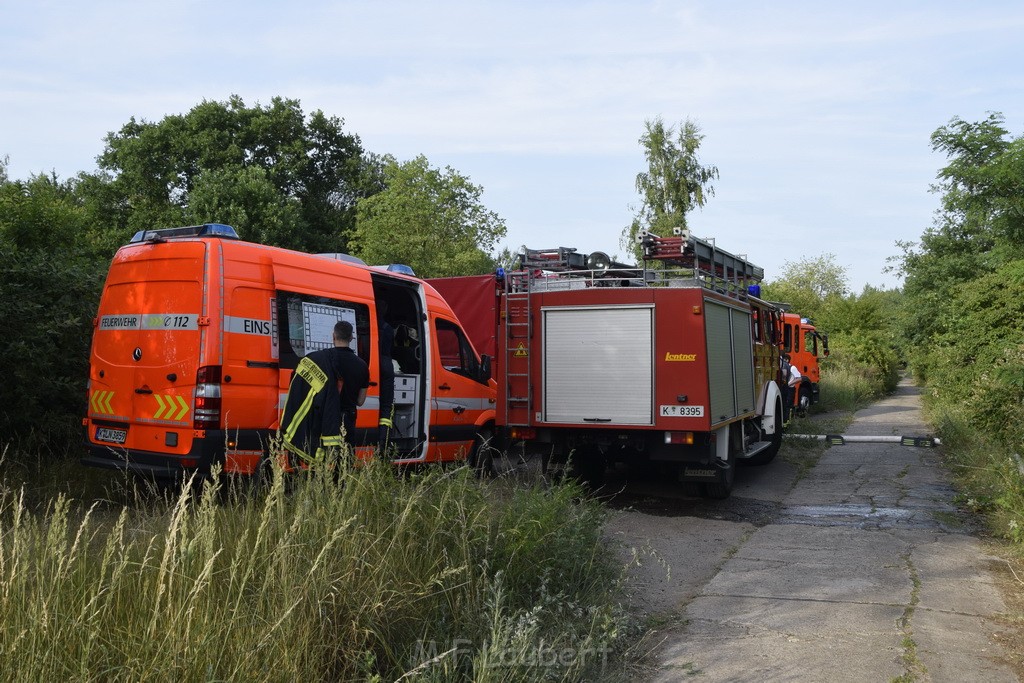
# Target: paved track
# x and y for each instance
(858, 569)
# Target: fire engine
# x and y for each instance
(674, 361)
(802, 341)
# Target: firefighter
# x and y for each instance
(793, 379)
(326, 389)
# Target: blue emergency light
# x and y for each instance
(206, 230)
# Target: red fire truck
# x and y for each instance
(674, 361)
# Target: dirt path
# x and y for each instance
(857, 569)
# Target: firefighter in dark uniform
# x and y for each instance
(326, 389)
(353, 378)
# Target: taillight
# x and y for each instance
(207, 412)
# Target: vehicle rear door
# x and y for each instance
(146, 348)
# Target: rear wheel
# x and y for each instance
(767, 455)
(722, 488)
(727, 471)
(587, 466)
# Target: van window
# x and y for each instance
(305, 323)
(787, 338)
(456, 354)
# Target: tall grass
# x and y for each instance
(849, 386)
(367, 575)
(989, 475)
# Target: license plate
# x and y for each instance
(682, 411)
(111, 435)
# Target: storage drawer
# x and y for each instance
(405, 382)
(404, 398)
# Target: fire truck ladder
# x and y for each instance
(717, 268)
(518, 333)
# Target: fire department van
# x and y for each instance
(198, 333)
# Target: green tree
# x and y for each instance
(49, 288)
(979, 226)
(429, 219)
(962, 307)
(806, 285)
(674, 183)
(277, 174)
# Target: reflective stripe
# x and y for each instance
(299, 416)
(385, 422)
(311, 372)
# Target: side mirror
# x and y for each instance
(485, 368)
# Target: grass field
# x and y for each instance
(370, 575)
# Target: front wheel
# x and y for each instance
(804, 401)
(481, 458)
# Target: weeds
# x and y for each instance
(989, 475)
(359, 575)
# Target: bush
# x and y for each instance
(48, 303)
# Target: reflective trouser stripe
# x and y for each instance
(299, 416)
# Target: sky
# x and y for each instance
(818, 115)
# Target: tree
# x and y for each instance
(277, 174)
(675, 181)
(429, 219)
(962, 306)
(978, 228)
(808, 283)
(49, 288)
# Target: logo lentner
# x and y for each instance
(680, 356)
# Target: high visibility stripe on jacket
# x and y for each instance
(311, 422)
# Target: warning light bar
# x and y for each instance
(207, 230)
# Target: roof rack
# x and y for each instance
(685, 261)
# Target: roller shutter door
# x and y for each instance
(598, 365)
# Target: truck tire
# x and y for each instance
(803, 401)
(722, 488)
(766, 456)
(481, 458)
(589, 469)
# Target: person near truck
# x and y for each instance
(326, 389)
(353, 378)
(793, 377)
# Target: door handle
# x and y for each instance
(144, 390)
(459, 410)
(445, 387)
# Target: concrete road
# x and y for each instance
(858, 568)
